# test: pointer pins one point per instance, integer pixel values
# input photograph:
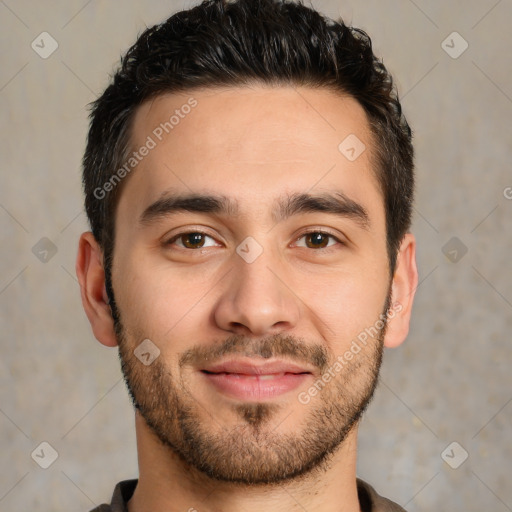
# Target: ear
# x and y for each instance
(91, 276)
(403, 288)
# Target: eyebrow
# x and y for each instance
(335, 203)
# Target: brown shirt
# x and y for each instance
(369, 500)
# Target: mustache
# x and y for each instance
(271, 346)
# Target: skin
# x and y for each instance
(252, 144)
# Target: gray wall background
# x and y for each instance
(450, 382)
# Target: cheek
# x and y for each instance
(344, 305)
(160, 304)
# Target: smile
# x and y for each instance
(245, 380)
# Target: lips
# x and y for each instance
(248, 380)
(251, 368)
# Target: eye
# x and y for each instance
(317, 239)
(190, 240)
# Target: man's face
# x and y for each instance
(251, 305)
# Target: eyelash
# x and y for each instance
(314, 231)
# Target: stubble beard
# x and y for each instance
(253, 452)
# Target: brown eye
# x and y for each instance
(317, 240)
(191, 240)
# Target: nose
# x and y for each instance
(257, 300)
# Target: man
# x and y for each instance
(248, 179)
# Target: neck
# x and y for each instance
(166, 483)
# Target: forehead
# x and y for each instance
(251, 143)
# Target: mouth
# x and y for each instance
(248, 380)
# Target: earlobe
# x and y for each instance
(404, 284)
(91, 277)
